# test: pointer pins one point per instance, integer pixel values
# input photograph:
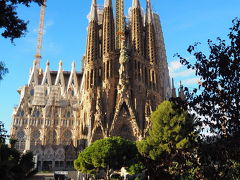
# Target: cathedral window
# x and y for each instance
(37, 114)
(146, 76)
(107, 75)
(111, 69)
(139, 77)
(68, 114)
(32, 92)
(67, 134)
(55, 122)
(135, 63)
(22, 113)
(36, 134)
(100, 73)
(95, 76)
(57, 163)
(20, 134)
(153, 79)
(87, 79)
(91, 79)
(22, 145)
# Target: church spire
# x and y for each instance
(181, 92)
(173, 89)
(108, 38)
(120, 22)
(108, 3)
(149, 12)
(136, 28)
(93, 12)
(150, 35)
(135, 4)
(92, 38)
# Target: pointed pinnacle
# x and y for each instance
(108, 3)
(93, 12)
(173, 83)
(34, 63)
(149, 12)
(73, 64)
(135, 4)
(60, 63)
(47, 63)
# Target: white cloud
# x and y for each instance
(177, 70)
(49, 23)
(191, 81)
(174, 65)
(52, 47)
(183, 73)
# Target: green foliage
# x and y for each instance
(3, 70)
(136, 168)
(169, 150)
(216, 101)
(109, 153)
(171, 131)
(217, 96)
(13, 27)
(13, 164)
(3, 132)
(233, 171)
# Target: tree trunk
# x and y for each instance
(107, 177)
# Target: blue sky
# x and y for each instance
(183, 21)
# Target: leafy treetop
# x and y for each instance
(13, 26)
(217, 96)
(109, 154)
(169, 149)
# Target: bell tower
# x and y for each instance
(120, 25)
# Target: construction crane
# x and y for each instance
(119, 22)
(38, 54)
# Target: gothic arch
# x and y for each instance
(97, 134)
(51, 137)
(123, 126)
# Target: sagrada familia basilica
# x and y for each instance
(124, 78)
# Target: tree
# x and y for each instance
(169, 149)
(13, 164)
(217, 96)
(3, 70)
(3, 133)
(216, 102)
(108, 154)
(13, 27)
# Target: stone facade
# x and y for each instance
(125, 73)
(125, 76)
